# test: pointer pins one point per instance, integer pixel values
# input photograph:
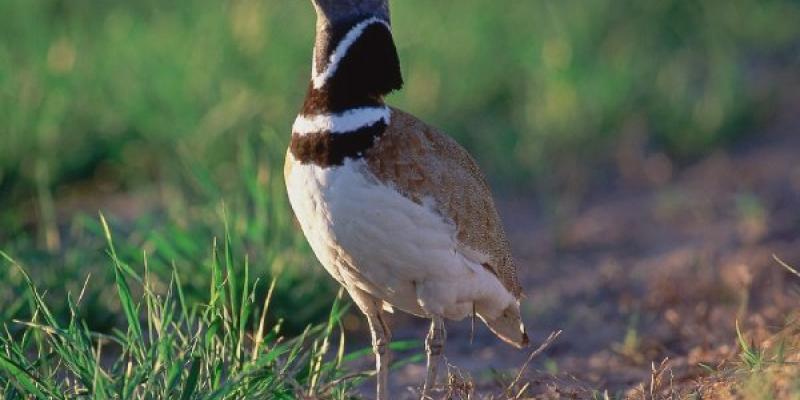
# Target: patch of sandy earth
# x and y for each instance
(644, 274)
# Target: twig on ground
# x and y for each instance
(547, 342)
(327, 388)
(784, 265)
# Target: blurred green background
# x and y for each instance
(173, 117)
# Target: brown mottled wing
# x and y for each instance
(421, 162)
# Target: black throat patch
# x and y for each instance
(328, 149)
(369, 70)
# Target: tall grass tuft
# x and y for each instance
(170, 348)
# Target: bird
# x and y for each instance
(395, 211)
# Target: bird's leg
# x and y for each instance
(381, 336)
(434, 346)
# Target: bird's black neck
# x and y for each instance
(355, 65)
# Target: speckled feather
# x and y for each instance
(420, 162)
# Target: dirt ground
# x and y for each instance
(658, 265)
(651, 270)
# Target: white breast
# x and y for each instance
(368, 236)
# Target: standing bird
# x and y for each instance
(398, 213)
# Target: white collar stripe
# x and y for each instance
(320, 78)
(348, 121)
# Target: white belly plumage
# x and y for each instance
(372, 238)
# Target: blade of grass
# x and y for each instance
(25, 380)
(190, 385)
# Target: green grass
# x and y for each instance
(751, 356)
(254, 214)
(763, 371)
(222, 348)
(178, 108)
(173, 119)
(528, 87)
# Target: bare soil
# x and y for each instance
(651, 273)
(646, 277)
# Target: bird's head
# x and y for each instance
(333, 11)
(367, 64)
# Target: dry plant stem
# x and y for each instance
(547, 342)
(784, 265)
(353, 375)
(656, 380)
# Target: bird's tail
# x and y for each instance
(508, 326)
